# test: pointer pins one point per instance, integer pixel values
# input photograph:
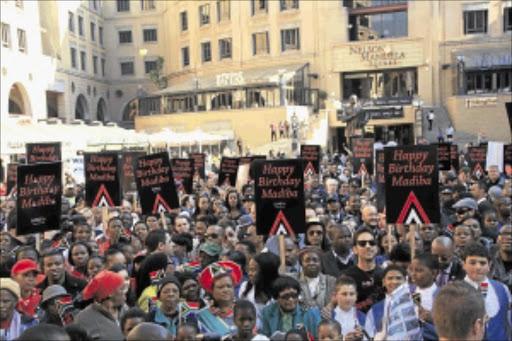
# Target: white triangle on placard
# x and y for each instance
(161, 208)
(281, 230)
(103, 202)
(413, 217)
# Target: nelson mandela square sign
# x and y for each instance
(412, 178)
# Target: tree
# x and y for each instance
(156, 74)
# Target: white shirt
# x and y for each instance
(347, 319)
(313, 284)
(427, 296)
(492, 306)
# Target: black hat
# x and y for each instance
(167, 280)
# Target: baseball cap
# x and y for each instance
(466, 203)
(211, 248)
(23, 266)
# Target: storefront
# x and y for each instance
(385, 76)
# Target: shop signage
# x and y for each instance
(384, 114)
(279, 192)
(478, 102)
(230, 78)
(378, 55)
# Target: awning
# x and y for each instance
(480, 59)
(234, 80)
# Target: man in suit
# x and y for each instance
(341, 256)
(450, 267)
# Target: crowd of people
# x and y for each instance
(203, 271)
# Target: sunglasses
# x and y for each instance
(461, 211)
(286, 297)
(363, 243)
(212, 236)
(312, 233)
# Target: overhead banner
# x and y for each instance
(362, 158)
(228, 171)
(454, 158)
(12, 175)
(476, 160)
(39, 196)
(507, 159)
(155, 183)
(183, 170)
(444, 156)
(128, 178)
(311, 156)
(199, 165)
(279, 192)
(43, 152)
(381, 180)
(412, 184)
(102, 179)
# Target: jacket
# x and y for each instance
(73, 285)
(332, 266)
(271, 314)
(499, 273)
(99, 324)
(324, 291)
(19, 323)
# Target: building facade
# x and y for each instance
(239, 66)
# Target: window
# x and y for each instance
(260, 43)
(127, 68)
(83, 61)
(185, 58)
(224, 48)
(71, 22)
(488, 81)
(93, 31)
(285, 5)
(95, 64)
(100, 34)
(149, 34)
(149, 65)
(376, 26)
(206, 52)
(204, 15)
(94, 4)
(290, 39)
(507, 19)
(103, 62)
(81, 25)
(184, 21)
(73, 57)
(125, 37)
(6, 35)
(147, 5)
(223, 10)
(123, 5)
(475, 22)
(259, 7)
(398, 83)
(22, 40)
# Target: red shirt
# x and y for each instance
(29, 305)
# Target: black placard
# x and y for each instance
(43, 152)
(12, 175)
(412, 184)
(244, 160)
(155, 183)
(199, 164)
(311, 156)
(477, 157)
(507, 160)
(362, 158)
(279, 191)
(228, 171)
(102, 179)
(444, 156)
(380, 180)
(39, 196)
(454, 158)
(183, 170)
(128, 178)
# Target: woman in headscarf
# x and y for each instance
(219, 281)
(168, 314)
(154, 267)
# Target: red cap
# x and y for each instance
(24, 266)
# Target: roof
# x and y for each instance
(233, 80)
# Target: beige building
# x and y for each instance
(238, 66)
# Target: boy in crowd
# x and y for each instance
(350, 319)
(329, 330)
(245, 320)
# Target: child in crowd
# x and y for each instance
(496, 294)
(187, 332)
(350, 319)
(329, 330)
(245, 321)
(423, 271)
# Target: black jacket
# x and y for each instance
(456, 272)
(72, 284)
(332, 266)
